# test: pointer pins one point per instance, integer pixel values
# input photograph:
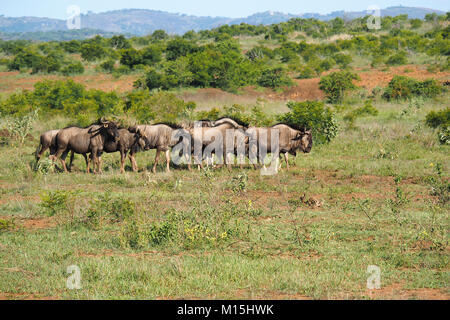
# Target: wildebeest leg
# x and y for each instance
(158, 153)
(123, 156)
(40, 151)
(86, 159)
(168, 161)
(72, 156)
(228, 161)
(286, 157)
(133, 163)
(100, 165)
(63, 160)
(188, 161)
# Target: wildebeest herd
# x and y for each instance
(200, 141)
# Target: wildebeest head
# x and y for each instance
(111, 129)
(306, 140)
(142, 140)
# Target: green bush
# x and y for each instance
(438, 119)
(367, 110)
(336, 84)
(130, 57)
(312, 115)
(402, 87)
(92, 52)
(397, 59)
(274, 78)
(56, 202)
(108, 65)
(73, 69)
(159, 106)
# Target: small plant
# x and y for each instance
(6, 225)
(21, 127)
(440, 120)
(251, 211)
(55, 202)
(106, 209)
(366, 208)
(239, 183)
(368, 109)
(45, 166)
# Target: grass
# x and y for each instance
(216, 234)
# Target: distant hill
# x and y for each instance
(141, 22)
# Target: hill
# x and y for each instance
(141, 22)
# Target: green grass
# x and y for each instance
(215, 235)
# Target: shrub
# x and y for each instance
(438, 119)
(92, 52)
(397, 59)
(6, 225)
(20, 127)
(274, 78)
(336, 84)
(402, 87)
(159, 106)
(441, 120)
(108, 65)
(314, 115)
(55, 202)
(73, 68)
(307, 72)
(342, 60)
(130, 58)
(367, 109)
(151, 55)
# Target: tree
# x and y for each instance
(92, 52)
(130, 58)
(312, 115)
(179, 47)
(159, 35)
(119, 42)
(151, 55)
(274, 78)
(336, 84)
(73, 68)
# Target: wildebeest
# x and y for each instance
(289, 141)
(84, 141)
(226, 137)
(128, 142)
(160, 137)
(47, 141)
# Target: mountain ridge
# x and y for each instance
(141, 22)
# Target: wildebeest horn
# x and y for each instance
(103, 120)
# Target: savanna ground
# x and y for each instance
(376, 195)
(370, 197)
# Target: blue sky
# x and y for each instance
(228, 8)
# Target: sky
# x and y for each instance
(227, 8)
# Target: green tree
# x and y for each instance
(130, 57)
(312, 115)
(336, 84)
(92, 52)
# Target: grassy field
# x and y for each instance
(376, 195)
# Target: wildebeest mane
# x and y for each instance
(169, 124)
(292, 125)
(238, 121)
